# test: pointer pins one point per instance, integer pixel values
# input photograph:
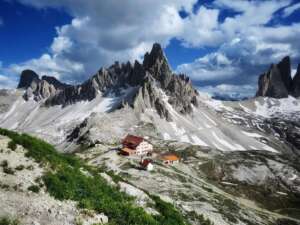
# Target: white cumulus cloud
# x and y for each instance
(101, 32)
(249, 46)
(229, 90)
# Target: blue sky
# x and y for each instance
(222, 45)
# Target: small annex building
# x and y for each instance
(146, 164)
(135, 145)
(169, 158)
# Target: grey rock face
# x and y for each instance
(271, 84)
(284, 67)
(148, 96)
(40, 89)
(37, 88)
(182, 94)
(296, 83)
(27, 77)
(278, 83)
(104, 81)
(137, 74)
(157, 65)
(56, 83)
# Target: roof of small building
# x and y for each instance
(145, 162)
(170, 157)
(132, 140)
(128, 150)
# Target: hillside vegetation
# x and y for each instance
(65, 179)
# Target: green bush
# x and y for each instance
(34, 188)
(4, 163)
(199, 218)
(20, 167)
(12, 145)
(8, 221)
(168, 213)
(5, 167)
(8, 170)
(94, 193)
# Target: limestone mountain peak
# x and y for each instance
(147, 80)
(277, 82)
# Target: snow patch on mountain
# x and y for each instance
(54, 123)
(270, 107)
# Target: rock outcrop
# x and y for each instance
(148, 96)
(277, 81)
(26, 78)
(56, 83)
(39, 89)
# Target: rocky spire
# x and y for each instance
(137, 74)
(181, 94)
(277, 81)
(284, 67)
(26, 78)
(157, 65)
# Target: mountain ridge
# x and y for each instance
(154, 71)
(147, 98)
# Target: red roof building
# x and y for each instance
(134, 145)
(131, 141)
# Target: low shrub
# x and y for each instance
(199, 218)
(12, 145)
(4, 163)
(8, 170)
(8, 221)
(34, 188)
(20, 167)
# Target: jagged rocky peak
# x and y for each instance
(150, 79)
(178, 88)
(26, 78)
(156, 63)
(284, 67)
(277, 81)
